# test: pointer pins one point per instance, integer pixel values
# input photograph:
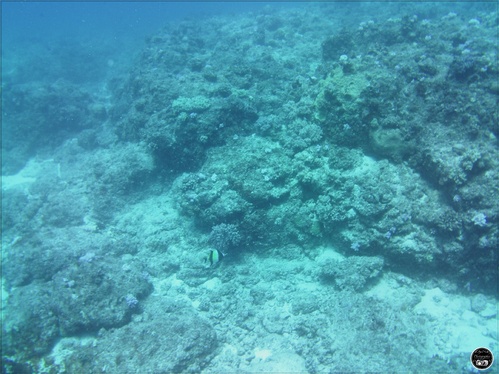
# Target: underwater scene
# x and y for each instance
(250, 187)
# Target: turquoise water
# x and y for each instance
(249, 187)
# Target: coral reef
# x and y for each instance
(346, 164)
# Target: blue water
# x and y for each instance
(129, 21)
(99, 31)
(22, 20)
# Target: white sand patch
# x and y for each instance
(29, 173)
(229, 349)
(329, 254)
(279, 362)
(452, 326)
(437, 304)
(66, 347)
(457, 329)
(212, 284)
(162, 286)
(310, 287)
(262, 354)
(288, 362)
(18, 180)
(25, 177)
(177, 283)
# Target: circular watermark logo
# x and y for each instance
(482, 358)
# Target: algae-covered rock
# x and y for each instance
(340, 93)
(88, 295)
(250, 172)
(190, 105)
(176, 340)
(354, 273)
